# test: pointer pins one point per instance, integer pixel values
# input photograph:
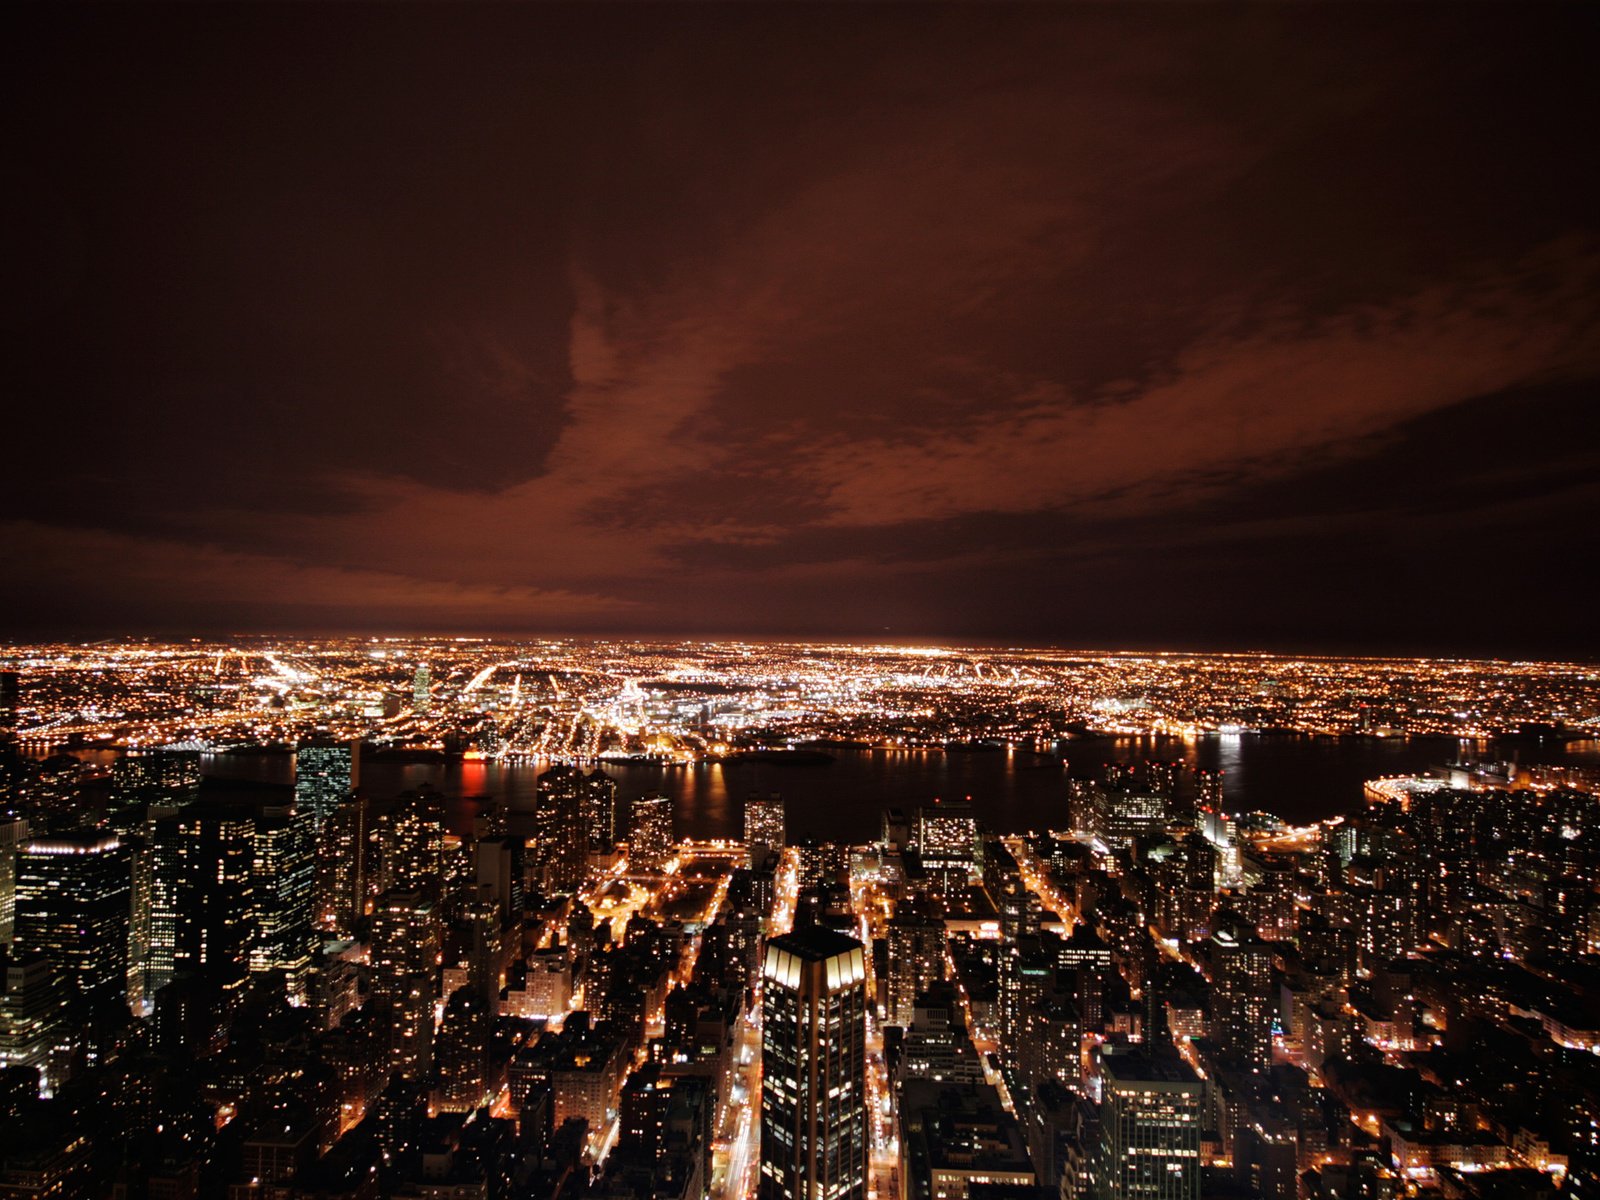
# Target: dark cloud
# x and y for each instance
(1103, 324)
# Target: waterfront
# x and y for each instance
(1299, 778)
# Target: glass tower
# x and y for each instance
(323, 777)
(813, 1067)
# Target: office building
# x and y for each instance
(324, 777)
(13, 836)
(1002, 879)
(153, 927)
(955, 1138)
(73, 905)
(161, 777)
(1027, 982)
(1131, 801)
(947, 840)
(936, 1045)
(1150, 1118)
(195, 909)
(813, 1067)
(283, 877)
(498, 875)
(216, 924)
(345, 876)
(896, 835)
(36, 1029)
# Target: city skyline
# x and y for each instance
(479, 920)
(799, 601)
(575, 700)
(1269, 327)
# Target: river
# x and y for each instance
(1301, 779)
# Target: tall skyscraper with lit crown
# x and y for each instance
(813, 1067)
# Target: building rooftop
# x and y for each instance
(815, 943)
(961, 1129)
(1141, 1067)
(92, 841)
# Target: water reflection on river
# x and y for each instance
(1300, 778)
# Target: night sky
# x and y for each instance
(1172, 326)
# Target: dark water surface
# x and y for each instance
(1300, 778)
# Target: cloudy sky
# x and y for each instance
(1168, 325)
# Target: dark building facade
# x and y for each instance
(73, 902)
(813, 1058)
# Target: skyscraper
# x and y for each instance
(421, 682)
(1149, 1128)
(763, 826)
(283, 878)
(36, 1029)
(411, 836)
(157, 878)
(406, 947)
(10, 693)
(166, 777)
(461, 1053)
(72, 906)
(947, 840)
(323, 777)
(1132, 801)
(650, 838)
(600, 805)
(204, 870)
(564, 828)
(595, 794)
(344, 866)
(813, 1067)
(13, 836)
(1242, 1007)
(916, 957)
